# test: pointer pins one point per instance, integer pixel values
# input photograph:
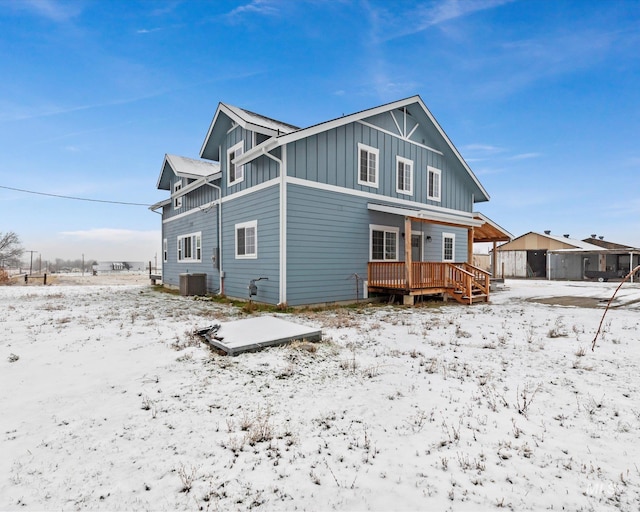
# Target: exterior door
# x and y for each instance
(416, 247)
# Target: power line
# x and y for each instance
(75, 198)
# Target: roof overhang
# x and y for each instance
(280, 140)
(489, 231)
(159, 204)
(424, 215)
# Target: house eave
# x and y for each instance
(358, 116)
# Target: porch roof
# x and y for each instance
(489, 231)
(436, 217)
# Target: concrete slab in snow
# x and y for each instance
(256, 333)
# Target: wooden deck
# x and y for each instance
(463, 282)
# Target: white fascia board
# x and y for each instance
(159, 204)
(256, 151)
(210, 130)
(453, 148)
(463, 221)
(197, 184)
(487, 220)
(164, 162)
(340, 121)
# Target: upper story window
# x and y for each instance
(404, 175)
(448, 247)
(384, 243)
(190, 247)
(368, 165)
(165, 250)
(247, 240)
(235, 172)
(433, 183)
(177, 201)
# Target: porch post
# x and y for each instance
(470, 246)
(407, 251)
(493, 259)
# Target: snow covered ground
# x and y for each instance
(108, 402)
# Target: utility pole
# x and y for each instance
(31, 261)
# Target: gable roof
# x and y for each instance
(227, 116)
(569, 243)
(293, 134)
(185, 168)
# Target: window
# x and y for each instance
(384, 243)
(177, 201)
(433, 183)
(404, 175)
(247, 240)
(190, 247)
(448, 246)
(165, 250)
(367, 165)
(235, 172)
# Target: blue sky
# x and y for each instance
(542, 98)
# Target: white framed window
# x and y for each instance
(165, 250)
(383, 243)
(404, 175)
(368, 165)
(448, 247)
(235, 173)
(247, 240)
(177, 201)
(433, 183)
(190, 247)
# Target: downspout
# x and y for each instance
(219, 203)
(282, 163)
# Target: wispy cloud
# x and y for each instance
(525, 156)
(260, 7)
(397, 24)
(54, 10)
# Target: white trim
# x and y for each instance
(247, 225)
(177, 198)
(238, 170)
(405, 162)
(396, 123)
(358, 116)
(231, 197)
(456, 220)
(283, 226)
(452, 236)
(370, 151)
(364, 123)
(435, 172)
(376, 197)
(196, 244)
(385, 230)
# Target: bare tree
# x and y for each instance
(10, 249)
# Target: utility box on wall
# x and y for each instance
(193, 284)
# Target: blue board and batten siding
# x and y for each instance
(328, 243)
(262, 206)
(331, 157)
(206, 223)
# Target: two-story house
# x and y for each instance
(379, 201)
